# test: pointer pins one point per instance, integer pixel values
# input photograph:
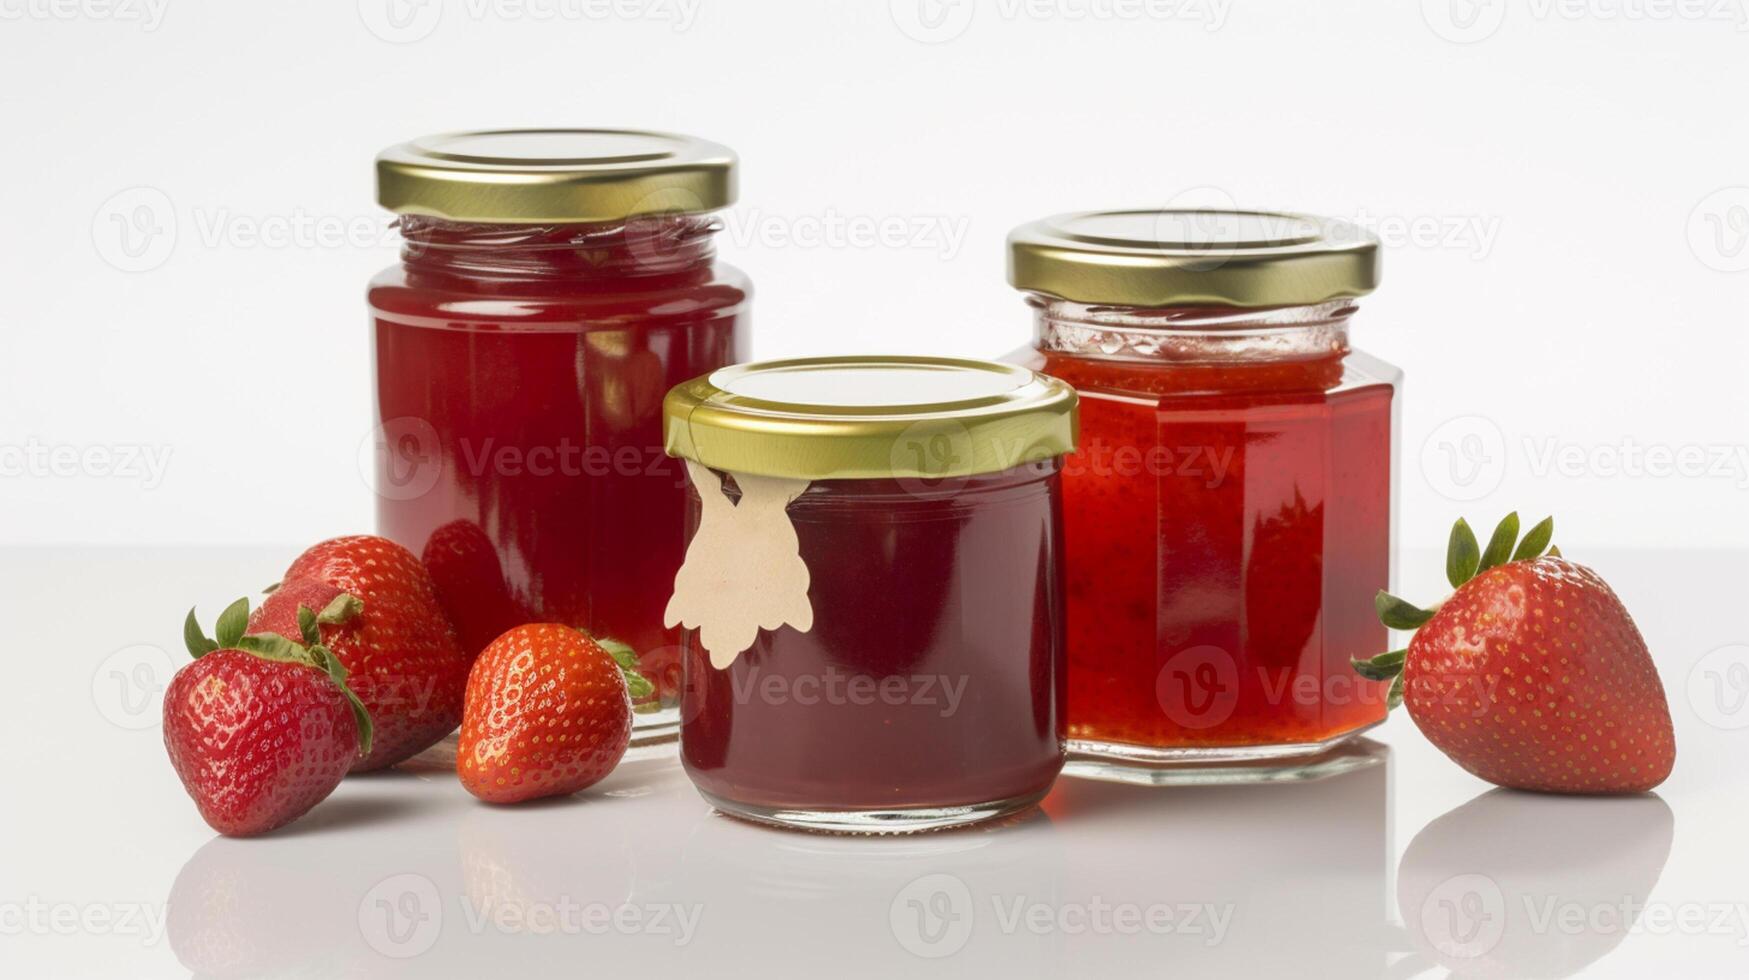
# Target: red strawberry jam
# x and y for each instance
(872, 590)
(523, 346)
(1228, 513)
(1242, 542)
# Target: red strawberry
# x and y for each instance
(470, 584)
(260, 728)
(549, 712)
(400, 652)
(1531, 674)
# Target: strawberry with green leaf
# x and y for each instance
(398, 647)
(1531, 674)
(261, 728)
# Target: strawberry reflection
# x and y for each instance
(1528, 884)
(400, 874)
(470, 583)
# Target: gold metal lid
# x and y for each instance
(1179, 257)
(870, 417)
(532, 176)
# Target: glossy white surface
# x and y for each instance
(105, 869)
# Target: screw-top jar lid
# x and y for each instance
(1177, 257)
(532, 176)
(870, 417)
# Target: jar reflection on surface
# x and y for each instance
(1277, 879)
(931, 676)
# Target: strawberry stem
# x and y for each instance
(1462, 554)
(232, 624)
(342, 608)
(1537, 540)
(271, 646)
(637, 685)
(199, 644)
(1382, 667)
(1500, 543)
(1464, 560)
(1399, 614)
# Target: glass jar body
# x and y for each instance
(519, 380)
(1228, 520)
(927, 692)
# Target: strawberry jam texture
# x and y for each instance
(1227, 523)
(519, 374)
(932, 673)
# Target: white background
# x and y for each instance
(1563, 187)
(1564, 194)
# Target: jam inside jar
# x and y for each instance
(523, 346)
(1228, 512)
(921, 687)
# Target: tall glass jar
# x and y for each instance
(873, 590)
(1228, 514)
(553, 285)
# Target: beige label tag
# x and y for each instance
(743, 570)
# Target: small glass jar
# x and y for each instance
(872, 591)
(1228, 515)
(553, 285)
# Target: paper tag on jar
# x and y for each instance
(743, 570)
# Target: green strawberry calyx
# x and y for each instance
(1465, 558)
(637, 685)
(230, 633)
